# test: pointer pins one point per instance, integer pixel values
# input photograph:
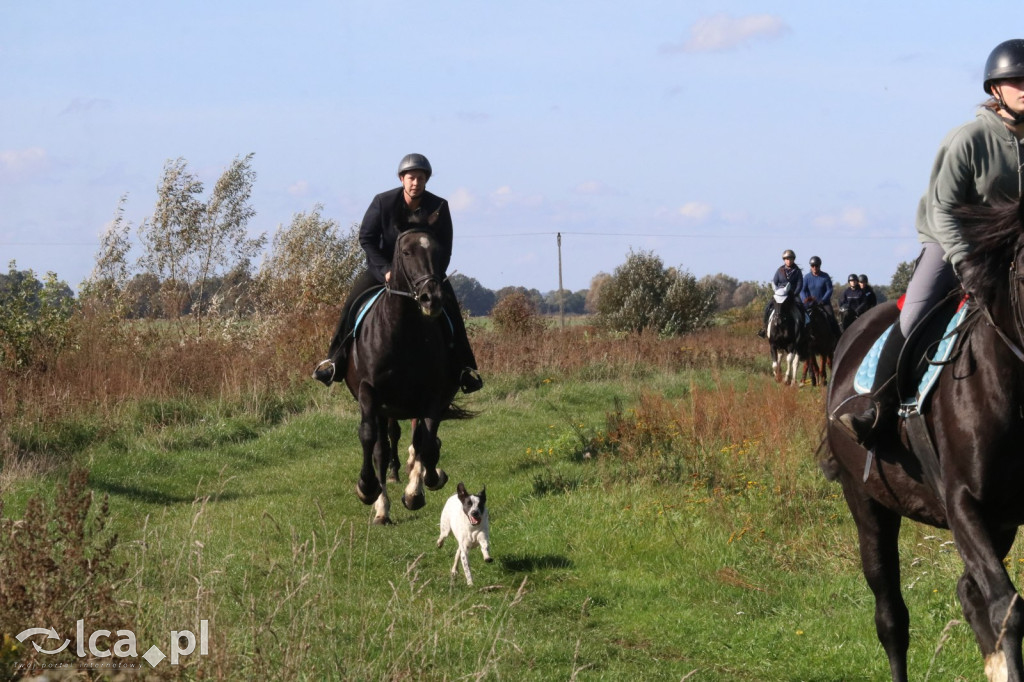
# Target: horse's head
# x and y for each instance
(416, 270)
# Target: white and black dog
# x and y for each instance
(465, 517)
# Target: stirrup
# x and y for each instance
(324, 372)
(470, 380)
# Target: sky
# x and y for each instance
(711, 134)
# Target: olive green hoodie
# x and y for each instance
(978, 163)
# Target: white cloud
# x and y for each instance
(461, 199)
(596, 188)
(695, 210)
(722, 31)
(17, 164)
(848, 217)
(299, 189)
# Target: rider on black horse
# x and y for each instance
(791, 277)
(978, 163)
(389, 214)
(853, 302)
(817, 290)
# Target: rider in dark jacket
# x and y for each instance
(388, 214)
(851, 301)
(790, 276)
(870, 300)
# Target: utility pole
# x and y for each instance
(561, 293)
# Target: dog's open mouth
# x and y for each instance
(474, 521)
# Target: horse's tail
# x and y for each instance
(454, 411)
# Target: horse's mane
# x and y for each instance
(993, 232)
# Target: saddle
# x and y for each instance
(931, 345)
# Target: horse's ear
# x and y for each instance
(436, 214)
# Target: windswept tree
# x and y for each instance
(188, 241)
(312, 262)
(111, 274)
(642, 295)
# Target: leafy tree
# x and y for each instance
(34, 318)
(725, 285)
(187, 242)
(573, 301)
(474, 298)
(594, 292)
(535, 298)
(900, 279)
(643, 295)
(312, 262)
(745, 293)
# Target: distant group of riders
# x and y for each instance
(816, 289)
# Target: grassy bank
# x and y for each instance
(656, 507)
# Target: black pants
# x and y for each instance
(460, 341)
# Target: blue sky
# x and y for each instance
(714, 134)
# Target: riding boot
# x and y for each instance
(469, 378)
(884, 393)
(337, 354)
(763, 331)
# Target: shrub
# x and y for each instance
(515, 315)
(643, 296)
(34, 319)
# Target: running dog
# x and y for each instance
(465, 517)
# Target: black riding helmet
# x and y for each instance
(411, 162)
(815, 262)
(1006, 61)
(852, 277)
(863, 279)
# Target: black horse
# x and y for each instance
(821, 344)
(973, 419)
(401, 367)
(785, 336)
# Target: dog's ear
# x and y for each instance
(483, 496)
(461, 490)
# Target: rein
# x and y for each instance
(1015, 304)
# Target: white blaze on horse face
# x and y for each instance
(424, 242)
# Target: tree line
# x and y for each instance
(192, 260)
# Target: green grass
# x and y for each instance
(605, 568)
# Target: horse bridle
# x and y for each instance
(418, 283)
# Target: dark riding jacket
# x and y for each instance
(385, 219)
(853, 299)
(791, 278)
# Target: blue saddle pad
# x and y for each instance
(866, 372)
(365, 308)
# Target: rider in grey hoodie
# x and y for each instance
(978, 163)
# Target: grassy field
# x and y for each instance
(647, 524)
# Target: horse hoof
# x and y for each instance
(414, 502)
(364, 496)
(442, 478)
(393, 478)
(382, 521)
